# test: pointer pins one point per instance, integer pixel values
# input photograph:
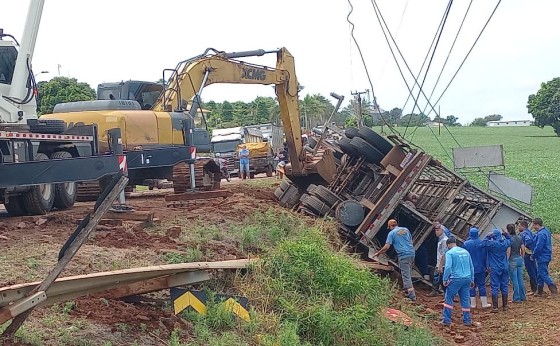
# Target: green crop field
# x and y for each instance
(532, 155)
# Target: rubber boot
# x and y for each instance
(484, 301)
(553, 289)
(494, 303)
(504, 302)
(540, 291)
(473, 302)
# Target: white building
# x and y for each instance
(510, 123)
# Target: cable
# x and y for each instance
(469, 52)
(445, 16)
(427, 55)
(375, 105)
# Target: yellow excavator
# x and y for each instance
(163, 124)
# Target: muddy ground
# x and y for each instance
(30, 247)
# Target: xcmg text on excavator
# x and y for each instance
(162, 125)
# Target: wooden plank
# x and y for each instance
(190, 196)
(124, 289)
(157, 284)
(68, 255)
(64, 285)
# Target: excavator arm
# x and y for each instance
(191, 76)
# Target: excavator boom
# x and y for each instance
(191, 76)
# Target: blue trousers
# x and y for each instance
(543, 277)
(516, 276)
(531, 267)
(480, 282)
(499, 281)
(461, 287)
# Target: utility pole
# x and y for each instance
(358, 97)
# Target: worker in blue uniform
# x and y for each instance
(542, 254)
(458, 277)
(528, 238)
(496, 244)
(478, 256)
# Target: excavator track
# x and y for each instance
(207, 176)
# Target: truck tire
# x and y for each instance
(48, 126)
(291, 197)
(317, 206)
(15, 206)
(326, 195)
(351, 132)
(278, 193)
(375, 139)
(368, 151)
(269, 171)
(65, 193)
(40, 198)
(284, 185)
(345, 145)
(311, 188)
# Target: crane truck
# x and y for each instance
(41, 160)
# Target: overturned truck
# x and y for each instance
(380, 178)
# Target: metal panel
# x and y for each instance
(473, 157)
(510, 187)
(506, 214)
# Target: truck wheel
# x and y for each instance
(278, 193)
(317, 206)
(375, 139)
(65, 193)
(345, 145)
(291, 197)
(39, 199)
(367, 150)
(15, 206)
(351, 132)
(48, 126)
(284, 185)
(325, 195)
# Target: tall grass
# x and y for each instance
(304, 291)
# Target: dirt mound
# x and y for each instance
(115, 312)
(119, 238)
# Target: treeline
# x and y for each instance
(315, 109)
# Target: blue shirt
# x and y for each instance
(401, 239)
(478, 254)
(497, 252)
(528, 239)
(244, 156)
(458, 264)
(543, 246)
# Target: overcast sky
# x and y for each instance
(105, 41)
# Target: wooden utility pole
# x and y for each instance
(358, 97)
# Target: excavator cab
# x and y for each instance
(146, 93)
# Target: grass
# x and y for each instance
(531, 154)
(305, 291)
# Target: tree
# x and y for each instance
(452, 120)
(61, 90)
(544, 106)
(486, 119)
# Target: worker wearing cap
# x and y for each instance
(478, 257)
(528, 239)
(542, 254)
(458, 277)
(496, 244)
(401, 240)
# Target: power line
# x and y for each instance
(445, 16)
(365, 67)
